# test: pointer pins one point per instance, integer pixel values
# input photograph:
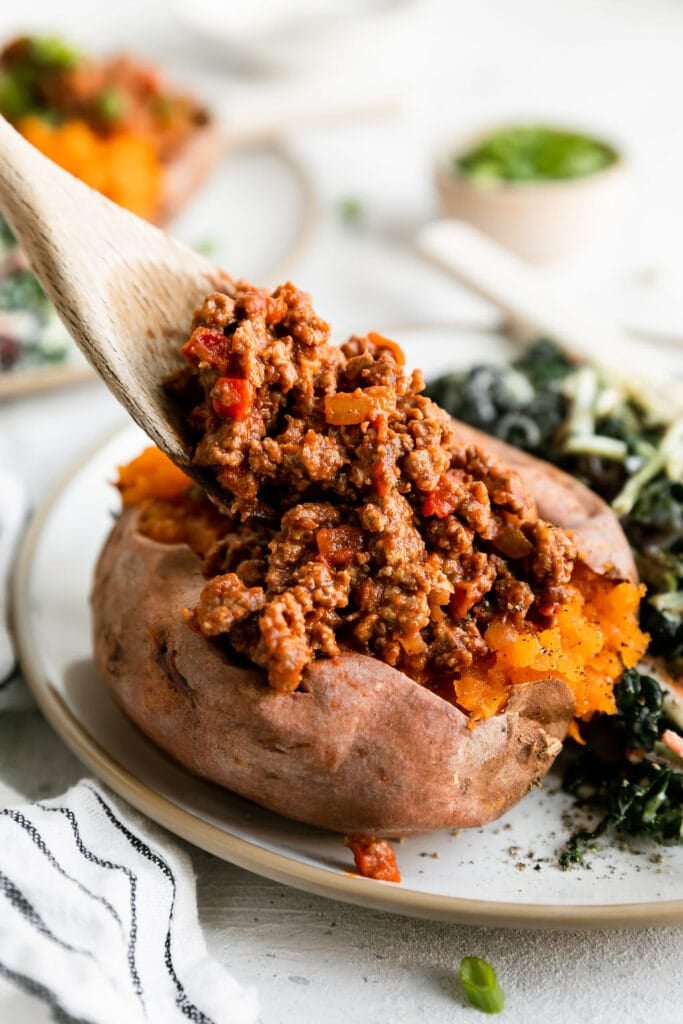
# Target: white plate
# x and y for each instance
(256, 211)
(504, 874)
(295, 37)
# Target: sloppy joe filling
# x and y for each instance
(355, 519)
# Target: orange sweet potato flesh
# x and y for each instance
(362, 748)
(126, 168)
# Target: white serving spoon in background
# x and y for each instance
(501, 278)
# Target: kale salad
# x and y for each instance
(31, 334)
(630, 770)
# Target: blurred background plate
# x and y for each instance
(254, 216)
(294, 37)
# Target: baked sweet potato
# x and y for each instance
(390, 622)
(359, 747)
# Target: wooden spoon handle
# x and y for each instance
(501, 278)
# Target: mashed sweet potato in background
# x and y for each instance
(115, 123)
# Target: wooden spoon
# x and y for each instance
(493, 272)
(124, 290)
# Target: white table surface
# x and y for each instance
(617, 66)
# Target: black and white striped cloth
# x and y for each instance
(98, 913)
(98, 920)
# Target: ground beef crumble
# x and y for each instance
(353, 516)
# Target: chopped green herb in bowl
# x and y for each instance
(540, 190)
(526, 153)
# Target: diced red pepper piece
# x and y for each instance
(374, 858)
(232, 397)
(207, 346)
(438, 503)
(379, 479)
(383, 469)
(445, 497)
(338, 544)
(381, 425)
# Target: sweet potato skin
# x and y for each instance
(361, 748)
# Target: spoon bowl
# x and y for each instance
(124, 289)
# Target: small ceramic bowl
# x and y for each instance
(542, 221)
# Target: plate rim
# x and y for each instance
(347, 887)
(43, 378)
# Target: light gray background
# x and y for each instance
(615, 65)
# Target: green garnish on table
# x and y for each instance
(352, 211)
(481, 985)
(529, 153)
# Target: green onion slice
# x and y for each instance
(480, 984)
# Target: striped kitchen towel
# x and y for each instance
(98, 920)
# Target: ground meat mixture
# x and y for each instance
(355, 519)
